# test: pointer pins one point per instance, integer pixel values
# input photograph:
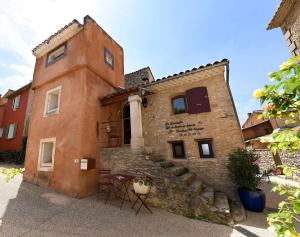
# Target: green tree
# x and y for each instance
(281, 99)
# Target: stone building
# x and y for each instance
(287, 17)
(178, 129)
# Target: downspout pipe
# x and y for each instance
(231, 97)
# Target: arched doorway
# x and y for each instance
(126, 124)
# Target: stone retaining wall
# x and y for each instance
(287, 158)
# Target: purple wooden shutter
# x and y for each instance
(197, 100)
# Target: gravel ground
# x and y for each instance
(29, 210)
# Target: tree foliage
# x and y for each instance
(281, 99)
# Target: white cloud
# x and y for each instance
(25, 24)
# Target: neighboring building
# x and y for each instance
(287, 17)
(14, 118)
(139, 77)
(74, 67)
(254, 127)
(86, 110)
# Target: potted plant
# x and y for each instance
(141, 185)
(244, 172)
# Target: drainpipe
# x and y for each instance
(231, 97)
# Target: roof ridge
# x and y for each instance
(55, 34)
(141, 69)
(194, 69)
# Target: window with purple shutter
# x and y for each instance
(197, 100)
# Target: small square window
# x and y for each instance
(12, 131)
(52, 101)
(179, 105)
(178, 150)
(47, 153)
(16, 103)
(205, 148)
(108, 58)
(56, 54)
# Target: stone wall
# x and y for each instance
(125, 160)
(220, 125)
(287, 158)
(291, 29)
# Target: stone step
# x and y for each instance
(221, 202)
(166, 164)
(237, 211)
(156, 158)
(208, 195)
(197, 186)
(178, 170)
(188, 178)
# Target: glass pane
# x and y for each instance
(178, 150)
(53, 102)
(57, 53)
(11, 130)
(205, 149)
(47, 152)
(179, 105)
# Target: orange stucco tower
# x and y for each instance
(74, 67)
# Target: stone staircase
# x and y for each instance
(176, 188)
(211, 204)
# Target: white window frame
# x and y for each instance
(54, 111)
(15, 105)
(46, 166)
(15, 126)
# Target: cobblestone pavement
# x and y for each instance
(29, 210)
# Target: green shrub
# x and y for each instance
(243, 169)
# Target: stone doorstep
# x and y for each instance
(166, 164)
(237, 211)
(221, 202)
(178, 170)
(188, 178)
(197, 186)
(208, 195)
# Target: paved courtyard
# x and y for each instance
(29, 210)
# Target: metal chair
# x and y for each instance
(105, 184)
(143, 197)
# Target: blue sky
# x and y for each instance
(169, 36)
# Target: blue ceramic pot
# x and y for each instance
(253, 200)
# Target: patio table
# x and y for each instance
(124, 180)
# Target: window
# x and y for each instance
(1, 132)
(56, 54)
(205, 148)
(47, 153)
(179, 105)
(12, 131)
(16, 103)
(108, 58)
(178, 150)
(52, 101)
(194, 101)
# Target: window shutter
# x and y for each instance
(197, 100)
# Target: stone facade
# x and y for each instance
(221, 125)
(287, 18)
